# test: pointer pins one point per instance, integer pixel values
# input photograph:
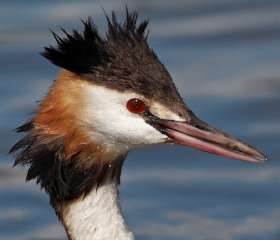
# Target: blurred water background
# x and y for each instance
(224, 56)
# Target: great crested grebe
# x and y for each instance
(112, 95)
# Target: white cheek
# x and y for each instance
(105, 111)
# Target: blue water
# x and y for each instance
(224, 56)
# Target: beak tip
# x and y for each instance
(262, 159)
(265, 159)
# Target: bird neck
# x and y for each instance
(97, 216)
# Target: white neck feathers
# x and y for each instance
(97, 216)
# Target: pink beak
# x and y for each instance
(200, 135)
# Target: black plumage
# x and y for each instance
(63, 179)
(83, 52)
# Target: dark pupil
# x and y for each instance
(137, 104)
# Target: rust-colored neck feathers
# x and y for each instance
(58, 115)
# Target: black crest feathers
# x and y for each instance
(128, 30)
(82, 52)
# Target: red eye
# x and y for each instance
(135, 105)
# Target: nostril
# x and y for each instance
(199, 126)
(235, 148)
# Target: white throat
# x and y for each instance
(97, 216)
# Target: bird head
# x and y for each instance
(123, 97)
(112, 95)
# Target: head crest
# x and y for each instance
(82, 52)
